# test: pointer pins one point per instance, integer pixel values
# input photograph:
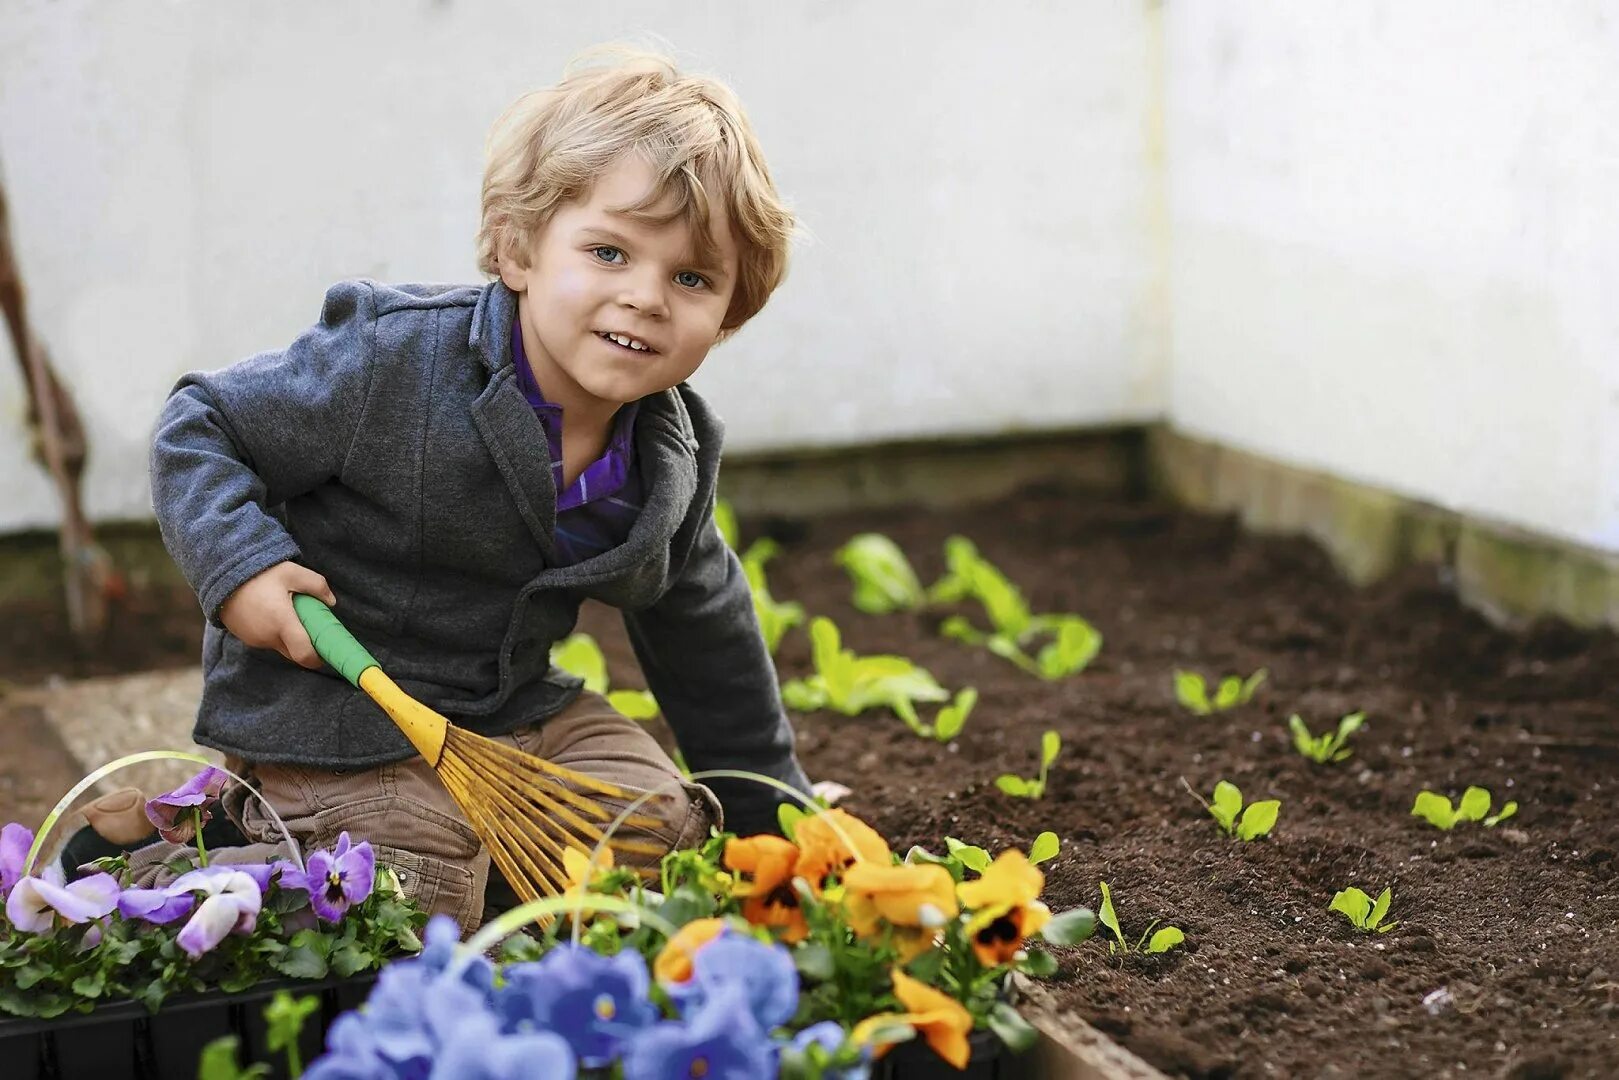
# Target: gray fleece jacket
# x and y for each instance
(390, 448)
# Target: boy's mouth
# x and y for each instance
(646, 351)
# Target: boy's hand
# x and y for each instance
(260, 611)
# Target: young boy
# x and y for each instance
(457, 469)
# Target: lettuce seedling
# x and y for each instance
(775, 617)
(883, 579)
(1072, 642)
(1474, 805)
(1162, 941)
(851, 684)
(1256, 821)
(1326, 748)
(1044, 848)
(578, 654)
(1192, 692)
(1032, 788)
(1363, 914)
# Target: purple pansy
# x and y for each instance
(336, 879)
(830, 1037)
(230, 904)
(477, 1050)
(438, 952)
(176, 813)
(597, 1003)
(36, 903)
(765, 974)
(720, 1042)
(15, 840)
(157, 906)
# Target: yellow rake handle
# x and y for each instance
(424, 727)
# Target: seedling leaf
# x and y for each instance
(1044, 848)
(1109, 918)
(1191, 692)
(1072, 926)
(1474, 806)
(1380, 908)
(973, 858)
(1012, 785)
(788, 815)
(952, 717)
(635, 704)
(1226, 803)
(578, 654)
(1229, 693)
(1435, 809)
(1506, 811)
(883, 579)
(1354, 904)
(1259, 819)
(1165, 939)
(1050, 746)
(725, 522)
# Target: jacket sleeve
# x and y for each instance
(233, 444)
(705, 660)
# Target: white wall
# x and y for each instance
(186, 178)
(1395, 247)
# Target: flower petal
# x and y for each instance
(27, 909)
(157, 906)
(216, 917)
(15, 840)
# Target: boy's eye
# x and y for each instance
(598, 250)
(701, 281)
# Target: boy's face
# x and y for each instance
(591, 271)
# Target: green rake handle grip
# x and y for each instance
(332, 639)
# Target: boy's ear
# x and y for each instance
(514, 265)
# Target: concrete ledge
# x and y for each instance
(1509, 574)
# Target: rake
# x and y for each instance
(526, 810)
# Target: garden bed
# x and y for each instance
(1519, 923)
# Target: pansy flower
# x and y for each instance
(765, 973)
(176, 814)
(916, 900)
(720, 1042)
(596, 1003)
(37, 904)
(829, 1036)
(15, 840)
(336, 879)
(673, 963)
(768, 896)
(832, 840)
(1005, 905)
(230, 905)
(936, 1016)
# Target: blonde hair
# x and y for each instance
(550, 146)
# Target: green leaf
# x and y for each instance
(1353, 903)
(953, 717)
(218, 1062)
(1435, 809)
(725, 522)
(1251, 684)
(301, 962)
(578, 654)
(1475, 805)
(1506, 811)
(801, 696)
(1109, 918)
(1165, 939)
(814, 962)
(1045, 847)
(788, 815)
(883, 579)
(1303, 741)
(1259, 819)
(1380, 908)
(1017, 1033)
(635, 704)
(1225, 805)
(90, 986)
(973, 858)
(1228, 694)
(1039, 963)
(1349, 725)
(1050, 747)
(1192, 693)
(1073, 926)
(1076, 645)
(1015, 786)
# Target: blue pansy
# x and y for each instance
(478, 1051)
(829, 1036)
(595, 1002)
(764, 973)
(439, 942)
(719, 1041)
(410, 1016)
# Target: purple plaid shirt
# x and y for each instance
(596, 513)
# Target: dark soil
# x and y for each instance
(1520, 924)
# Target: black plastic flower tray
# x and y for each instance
(125, 1042)
(990, 1060)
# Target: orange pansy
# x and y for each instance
(831, 840)
(673, 963)
(1005, 907)
(936, 1016)
(769, 898)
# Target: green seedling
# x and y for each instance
(961, 857)
(1164, 940)
(775, 618)
(1474, 805)
(1326, 748)
(578, 654)
(851, 684)
(883, 579)
(1362, 912)
(1071, 643)
(1032, 787)
(1044, 848)
(1193, 693)
(1257, 820)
